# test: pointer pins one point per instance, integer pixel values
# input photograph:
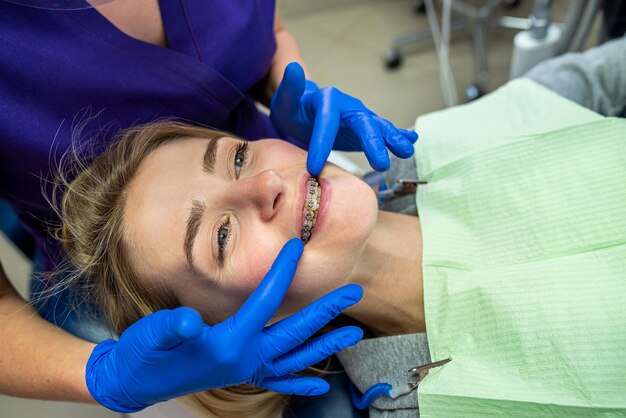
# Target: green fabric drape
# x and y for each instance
(524, 226)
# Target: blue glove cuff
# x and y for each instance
(91, 376)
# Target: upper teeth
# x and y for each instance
(311, 206)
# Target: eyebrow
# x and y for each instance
(193, 225)
(210, 155)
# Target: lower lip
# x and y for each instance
(324, 203)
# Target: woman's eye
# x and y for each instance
(240, 157)
(222, 236)
(222, 239)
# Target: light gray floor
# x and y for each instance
(343, 42)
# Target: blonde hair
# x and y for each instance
(96, 246)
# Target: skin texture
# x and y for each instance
(137, 19)
(355, 243)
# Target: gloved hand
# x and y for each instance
(171, 353)
(328, 119)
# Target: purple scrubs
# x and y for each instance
(58, 67)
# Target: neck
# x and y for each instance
(390, 271)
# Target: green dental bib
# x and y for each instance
(524, 227)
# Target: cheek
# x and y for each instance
(252, 265)
(319, 274)
(311, 281)
(350, 219)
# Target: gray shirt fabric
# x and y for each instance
(387, 360)
(595, 79)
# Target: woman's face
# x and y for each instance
(206, 218)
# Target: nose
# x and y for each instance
(262, 193)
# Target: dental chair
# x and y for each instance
(477, 19)
(575, 30)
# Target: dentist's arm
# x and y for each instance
(326, 118)
(287, 51)
(37, 359)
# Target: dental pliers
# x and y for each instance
(417, 375)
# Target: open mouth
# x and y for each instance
(310, 209)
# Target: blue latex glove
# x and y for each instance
(328, 119)
(171, 353)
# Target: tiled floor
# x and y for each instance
(343, 42)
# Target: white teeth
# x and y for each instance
(310, 209)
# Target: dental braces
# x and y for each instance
(311, 208)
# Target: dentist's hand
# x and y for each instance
(328, 119)
(171, 353)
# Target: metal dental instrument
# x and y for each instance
(401, 188)
(421, 372)
(417, 375)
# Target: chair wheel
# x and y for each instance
(393, 59)
(473, 92)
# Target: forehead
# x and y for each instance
(172, 154)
